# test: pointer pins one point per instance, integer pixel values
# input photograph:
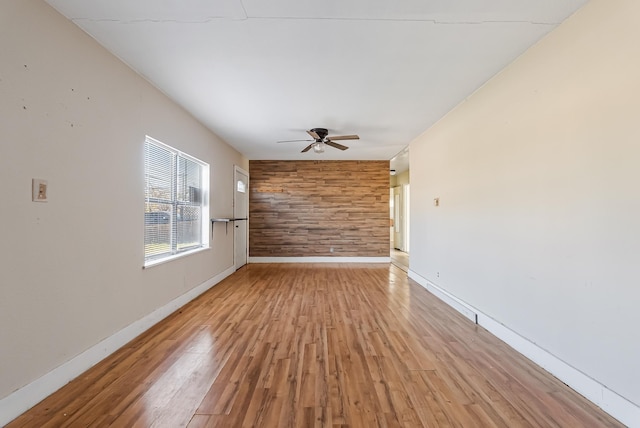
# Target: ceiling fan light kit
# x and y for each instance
(320, 140)
(318, 147)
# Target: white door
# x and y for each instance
(241, 216)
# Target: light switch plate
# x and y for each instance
(39, 190)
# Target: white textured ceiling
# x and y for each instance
(257, 71)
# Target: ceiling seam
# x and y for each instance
(244, 10)
(215, 18)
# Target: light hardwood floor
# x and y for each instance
(311, 346)
(400, 259)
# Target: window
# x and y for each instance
(175, 209)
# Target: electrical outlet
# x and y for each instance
(39, 190)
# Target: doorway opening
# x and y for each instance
(399, 203)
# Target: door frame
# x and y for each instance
(398, 218)
(406, 220)
(236, 169)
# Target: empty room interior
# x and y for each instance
(342, 213)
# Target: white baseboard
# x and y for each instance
(449, 299)
(319, 259)
(614, 404)
(28, 396)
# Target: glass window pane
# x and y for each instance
(157, 229)
(189, 181)
(189, 227)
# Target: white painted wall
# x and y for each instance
(71, 269)
(538, 178)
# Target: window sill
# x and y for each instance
(164, 260)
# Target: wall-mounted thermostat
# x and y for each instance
(39, 189)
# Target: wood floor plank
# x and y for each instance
(316, 345)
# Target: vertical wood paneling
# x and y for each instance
(305, 208)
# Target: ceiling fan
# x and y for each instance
(320, 139)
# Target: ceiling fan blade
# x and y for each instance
(291, 141)
(336, 145)
(306, 149)
(344, 137)
(314, 135)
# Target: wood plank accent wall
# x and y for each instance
(305, 208)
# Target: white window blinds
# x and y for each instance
(175, 194)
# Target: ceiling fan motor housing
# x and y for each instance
(320, 132)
